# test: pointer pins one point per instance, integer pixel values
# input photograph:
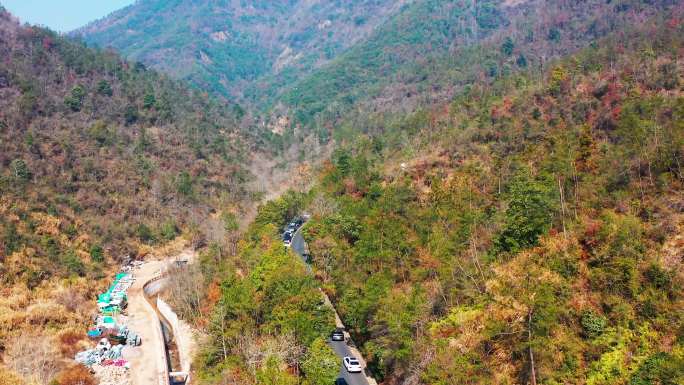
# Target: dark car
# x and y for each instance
(341, 381)
(337, 335)
(287, 237)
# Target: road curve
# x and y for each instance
(341, 348)
(148, 361)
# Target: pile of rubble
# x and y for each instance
(115, 333)
(112, 375)
(103, 352)
(112, 334)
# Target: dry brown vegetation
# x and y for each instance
(34, 357)
(75, 375)
(100, 158)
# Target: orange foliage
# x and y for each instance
(68, 342)
(75, 375)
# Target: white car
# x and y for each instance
(352, 365)
(287, 242)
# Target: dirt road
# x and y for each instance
(148, 362)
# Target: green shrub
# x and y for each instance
(528, 216)
(184, 184)
(130, 115)
(11, 238)
(101, 133)
(97, 253)
(74, 101)
(20, 169)
(148, 101)
(168, 230)
(658, 277)
(145, 234)
(104, 88)
(618, 276)
(73, 264)
(593, 324)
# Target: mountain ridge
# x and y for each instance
(228, 43)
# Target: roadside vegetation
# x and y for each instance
(267, 321)
(526, 232)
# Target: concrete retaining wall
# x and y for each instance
(176, 326)
(150, 288)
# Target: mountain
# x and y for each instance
(98, 153)
(497, 197)
(334, 68)
(433, 49)
(527, 231)
(236, 48)
(100, 158)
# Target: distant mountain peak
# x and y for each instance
(232, 47)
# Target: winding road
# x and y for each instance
(341, 348)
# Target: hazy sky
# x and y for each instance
(62, 15)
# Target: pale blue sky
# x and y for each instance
(62, 15)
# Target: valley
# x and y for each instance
(490, 192)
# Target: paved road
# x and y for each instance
(341, 348)
(298, 244)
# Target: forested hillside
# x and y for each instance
(503, 204)
(335, 67)
(431, 50)
(527, 232)
(88, 137)
(99, 158)
(533, 228)
(243, 49)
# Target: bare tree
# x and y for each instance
(322, 206)
(185, 290)
(256, 350)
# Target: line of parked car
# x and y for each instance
(351, 364)
(291, 229)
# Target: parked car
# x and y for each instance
(337, 335)
(341, 381)
(352, 365)
(287, 242)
